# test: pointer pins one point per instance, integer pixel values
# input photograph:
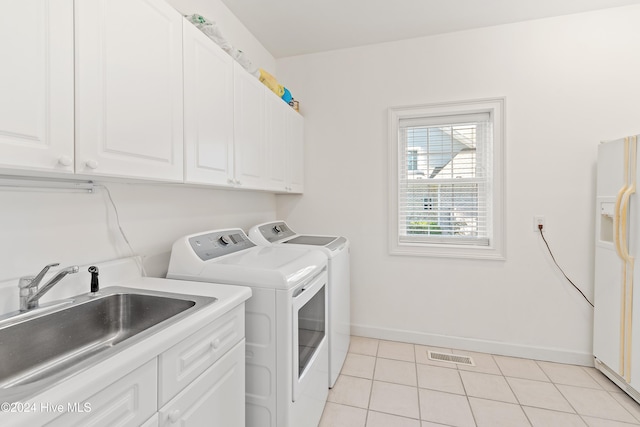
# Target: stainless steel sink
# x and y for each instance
(42, 348)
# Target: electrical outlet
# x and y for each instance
(538, 221)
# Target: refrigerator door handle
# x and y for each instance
(628, 266)
(624, 245)
(617, 223)
(631, 189)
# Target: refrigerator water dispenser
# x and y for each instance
(606, 221)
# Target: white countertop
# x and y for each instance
(97, 377)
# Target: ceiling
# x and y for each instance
(296, 27)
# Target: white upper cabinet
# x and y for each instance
(129, 89)
(36, 85)
(276, 142)
(295, 151)
(249, 135)
(208, 110)
(284, 136)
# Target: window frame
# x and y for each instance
(496, 247)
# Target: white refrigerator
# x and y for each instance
(616, 347)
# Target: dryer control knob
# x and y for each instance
(277, 229)
(225, 240)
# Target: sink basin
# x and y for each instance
(41, 349)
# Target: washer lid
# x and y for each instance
(274, 267)
(278, 232)
(207, 257)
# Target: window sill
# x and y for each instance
(448, 251)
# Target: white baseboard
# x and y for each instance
(472, 344)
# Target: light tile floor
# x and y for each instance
(393, 384)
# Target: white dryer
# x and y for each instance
(337, 250)
(286, 320)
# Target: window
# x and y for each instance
(446, 164)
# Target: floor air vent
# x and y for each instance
(451, 358)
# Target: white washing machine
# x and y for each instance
(286, 320)
(337, 250)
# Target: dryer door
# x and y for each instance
(309, 328)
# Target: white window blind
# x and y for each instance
(444, 179)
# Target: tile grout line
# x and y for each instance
(511, 388)
(601, 388)
(473, 415)
(593, 416)
(542, 369)
(610, 393)
(570, 404)
(415, 366)
(517, 400)
(373, 375)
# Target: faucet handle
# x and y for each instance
(26, 282)
(30, 281)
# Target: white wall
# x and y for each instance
(38, 228)
(569, 82)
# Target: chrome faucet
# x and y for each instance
(30, 294)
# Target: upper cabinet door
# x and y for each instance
(129, 89)
(276, 142)
(249, 136)
(208, 110)
(296, 151)
(36, 85)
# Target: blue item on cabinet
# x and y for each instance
(286, 96)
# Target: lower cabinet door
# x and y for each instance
(191, 357)
(152, 422)
(214, 398)
(130, 401)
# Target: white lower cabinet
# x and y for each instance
(127, 402)
(184, 362)
(199, 381)
(215, 398)
(154, 421)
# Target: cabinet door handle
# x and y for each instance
(174, 416)
(65, 160)
(92, 164)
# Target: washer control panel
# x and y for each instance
(219, 243)
(276, 231)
